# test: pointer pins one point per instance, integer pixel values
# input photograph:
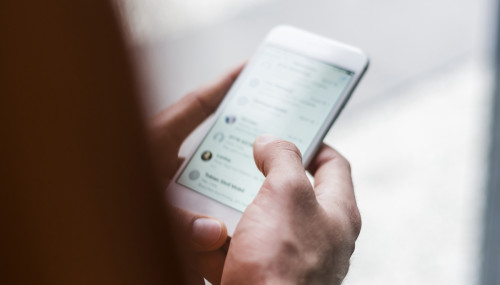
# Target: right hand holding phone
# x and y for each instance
(294, 233)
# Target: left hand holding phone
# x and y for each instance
(203, 236)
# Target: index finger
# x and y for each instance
(180, 119)
(332, 182)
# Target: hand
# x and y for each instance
(202, 237)
(293, 233)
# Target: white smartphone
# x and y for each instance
(294, 87)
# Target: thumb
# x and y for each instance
(273, 154)
(281, 162)
(202, 233)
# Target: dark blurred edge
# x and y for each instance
(490, 267)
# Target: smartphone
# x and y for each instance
(294, 87)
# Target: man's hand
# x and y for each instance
(293, 233)
(202, 237)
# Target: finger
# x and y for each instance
(203, 233)
(281, 162)
(332, 176)
(180, 119)
(333, 184)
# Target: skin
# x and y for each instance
(292, 233)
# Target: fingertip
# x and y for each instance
(208, 234)
(270, 152)
(325, 154)
(259, 148)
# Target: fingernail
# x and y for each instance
(265, 139)
(206, 232)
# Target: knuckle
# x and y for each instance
(355, 219)
(346, 221)
(200, 102)
(352, 219)
(290, 187)
(287, 181)
(344, 163)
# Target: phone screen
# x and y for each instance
(281, 93)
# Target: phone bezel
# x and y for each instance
(301, 42)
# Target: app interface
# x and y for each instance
(281, 93)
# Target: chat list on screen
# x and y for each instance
(281, 93)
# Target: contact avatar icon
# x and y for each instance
(194, 174)
(219, 137)
(230, 120)
(206, 155)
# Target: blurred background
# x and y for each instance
(416, 130)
